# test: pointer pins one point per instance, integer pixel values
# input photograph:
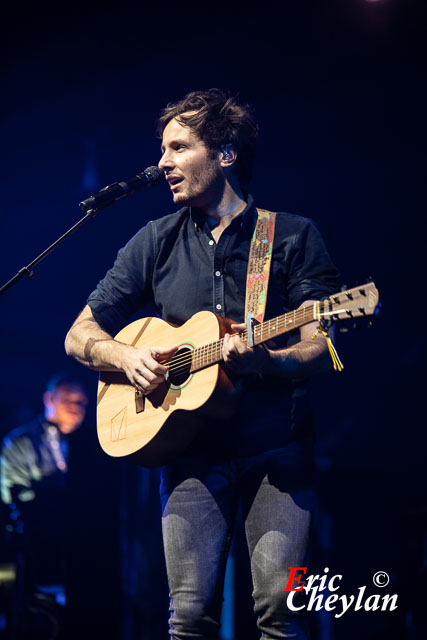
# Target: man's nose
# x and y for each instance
(165, 162)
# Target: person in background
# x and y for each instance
(34, 488)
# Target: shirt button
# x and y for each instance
(218, 273)
(218, 306)
(211, 242)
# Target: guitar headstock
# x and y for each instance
(358, 302)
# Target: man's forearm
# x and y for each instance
(304, 359)
(88, 343)
(92, 346)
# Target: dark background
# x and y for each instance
(339, 92)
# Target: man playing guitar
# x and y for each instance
(262, 456)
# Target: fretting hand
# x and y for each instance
(241, 358)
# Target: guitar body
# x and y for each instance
(169, 419)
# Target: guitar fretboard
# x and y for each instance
(211, 353)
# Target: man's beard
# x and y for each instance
(206, 185)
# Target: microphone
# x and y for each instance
(118, 190)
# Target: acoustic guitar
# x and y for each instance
(153, 429)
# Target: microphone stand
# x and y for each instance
(28, 270)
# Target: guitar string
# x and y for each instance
(187, 358)
(271, 326)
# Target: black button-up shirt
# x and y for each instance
(175, 264)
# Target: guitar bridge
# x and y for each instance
(139, 401)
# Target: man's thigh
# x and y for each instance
(198, 504)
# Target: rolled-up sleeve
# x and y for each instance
(127, 286)
(312, 274)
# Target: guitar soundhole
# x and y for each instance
(179, 369)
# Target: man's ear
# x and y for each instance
(228, 155)
(47, 398)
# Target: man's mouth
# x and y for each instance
(173, 181)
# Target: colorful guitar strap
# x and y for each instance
(259, 263)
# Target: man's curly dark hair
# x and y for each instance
(218, 120)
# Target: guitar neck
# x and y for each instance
(210, 354)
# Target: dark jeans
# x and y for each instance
(199, 501)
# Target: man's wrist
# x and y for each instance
(119, 353)
(106, 352)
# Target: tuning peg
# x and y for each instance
(370, 324)
(343, 329)
(362, 310)
(356, 325)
